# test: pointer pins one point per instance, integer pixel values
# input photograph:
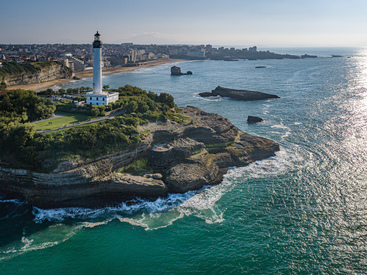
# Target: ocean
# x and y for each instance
(303, 211)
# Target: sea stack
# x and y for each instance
(177, 71)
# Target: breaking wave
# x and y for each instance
(164, 211)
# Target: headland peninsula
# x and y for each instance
(151, 149)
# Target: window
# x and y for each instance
(103, 99)
(90, 98)
(97, 102)
(97, 98)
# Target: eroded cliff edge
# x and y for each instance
(183, 157)
(31, 74)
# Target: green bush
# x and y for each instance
(20, 101)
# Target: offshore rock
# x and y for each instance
(177, 71)
(254, 119)
(238, 94)
(182, 157)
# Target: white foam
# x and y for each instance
(284, 132)
(125, 208)
(284, 161)
(15, 201)
(210, 98)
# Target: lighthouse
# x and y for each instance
(98, 96)
(97, 64)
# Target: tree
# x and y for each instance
(132, 107)
(14, 136)
(167, 99)
(95, 111)
(3, 86)
(102, 110)
(49, 91)
(105, 87)
(18, 102)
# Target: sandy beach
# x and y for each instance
(89, 73)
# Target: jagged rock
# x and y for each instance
(176, 70)
(156, 176)
(199, 169)
(254, 119)
(238, 94)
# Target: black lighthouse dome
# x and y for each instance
(97, 43)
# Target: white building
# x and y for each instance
(200, 54)
(99, 97)
(104, 98)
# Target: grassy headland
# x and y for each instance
(20, 146)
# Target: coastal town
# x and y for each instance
(79, 57)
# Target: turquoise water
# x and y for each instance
(302, 211)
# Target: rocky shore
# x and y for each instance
(238, 94)
(182, 156)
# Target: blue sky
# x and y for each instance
(271, 23)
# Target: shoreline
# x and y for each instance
(89, 73)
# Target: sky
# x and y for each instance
(270, 23)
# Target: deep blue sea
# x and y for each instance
(303, 211)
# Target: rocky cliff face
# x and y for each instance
(186, 157)
(54, 71)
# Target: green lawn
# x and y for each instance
(59, 122)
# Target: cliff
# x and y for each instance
(35, 73)
(182, 156)
(238, 94)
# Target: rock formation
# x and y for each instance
(183, 156)
(238, 94)
(254, 119)
(177, 71)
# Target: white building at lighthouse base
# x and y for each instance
(103, 98)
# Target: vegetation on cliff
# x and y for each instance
(25, 105)
(12, 68)
(21, 147)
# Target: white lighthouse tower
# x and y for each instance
(97, 64)
(99, 97)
